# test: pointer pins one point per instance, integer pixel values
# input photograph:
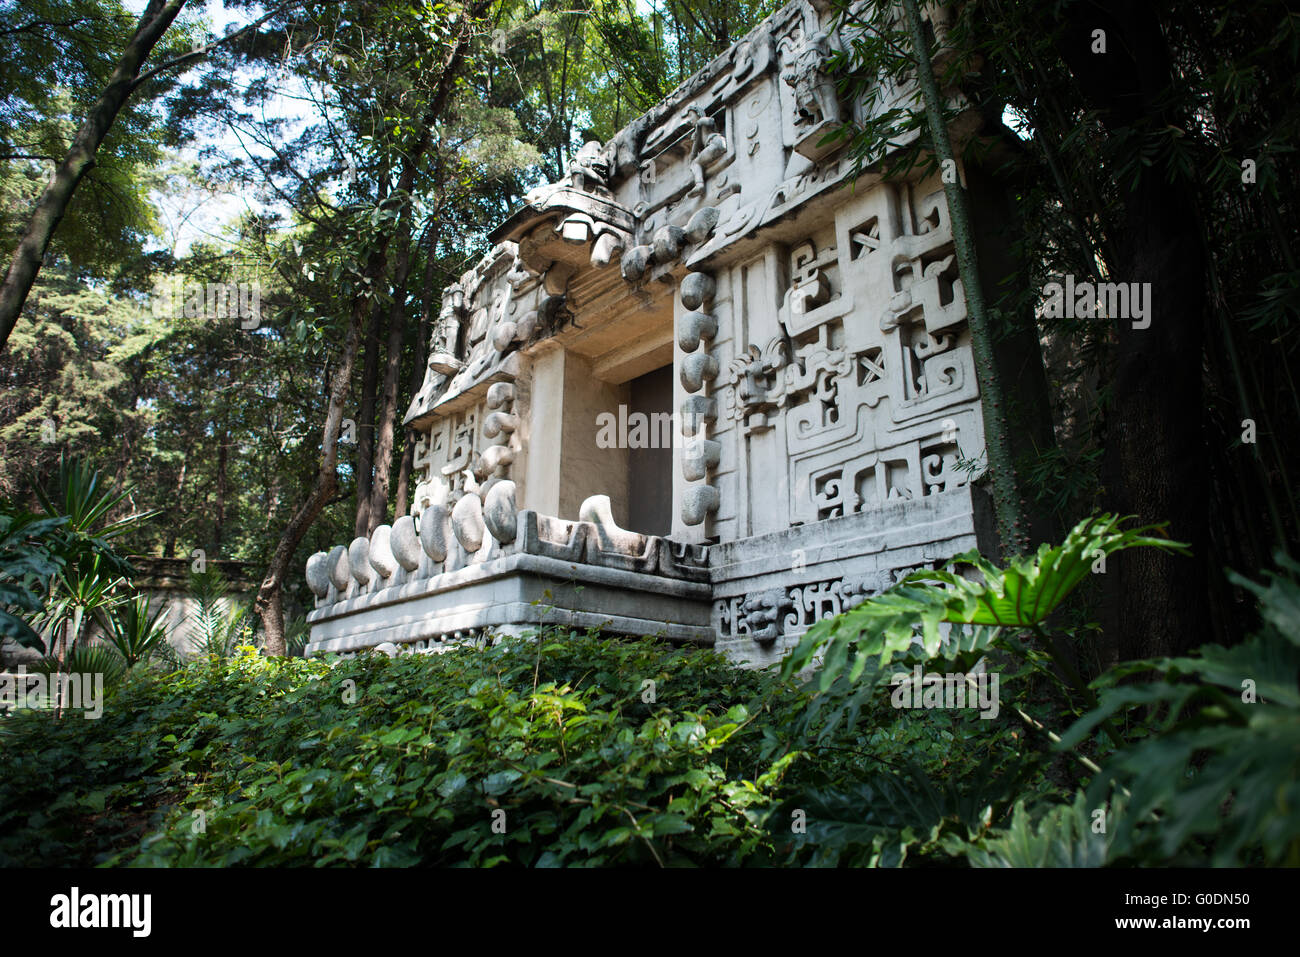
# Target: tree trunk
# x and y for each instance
(1153, 464)
(53, 204)
(392, 374)
(169, 551)
(269, 604)
(366, 423)
(369, 388)
(1013, 528)
(223, 451)
(430, 242)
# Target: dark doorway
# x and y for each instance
(650, 465)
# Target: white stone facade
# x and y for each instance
(713, 261)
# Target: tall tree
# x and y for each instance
(457, 32)
(50, 208)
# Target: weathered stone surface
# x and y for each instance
(694, 327)
(339, 569)
(527, 325)
(433, 532)
(318, 576)
(467, 522)
(698, 411)
(500, 395)
(504, 335)
(698, 289)
(382, 559)
(498, 422)
(697, 502)
(359, 559)
(668, 243)
(611, 539)
(697, 369)
(635, 262)
(499, 512)
(405, 543)
(699, 455)
(702, 224)
(497, 457)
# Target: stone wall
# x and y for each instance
(813, 323)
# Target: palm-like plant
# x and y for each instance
(134, 630)
(78, 492)
(78, 595)
(219, 623)
(85, 660)
(90, 574)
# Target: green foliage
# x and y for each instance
(27, 562)
(134, 630)
(1207, 766)
(86, 660)
(77, 492)
(219, 624)
(91, 577)
(1213, 770)
(1062, 837)
(562, 740)
(373, 761)
(890, 819)
(58, 568)
(386, 762)
(56, 56)
(947, 616)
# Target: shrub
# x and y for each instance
(413, 760)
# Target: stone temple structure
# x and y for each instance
(707, 387)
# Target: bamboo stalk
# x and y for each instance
(1012, 526)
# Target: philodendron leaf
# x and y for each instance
(1027, 592)
(1063, 837)
(943, 614)
(11, 626)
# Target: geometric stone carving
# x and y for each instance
(833, 311)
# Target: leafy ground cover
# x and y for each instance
(572, 749)
(554, 752)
